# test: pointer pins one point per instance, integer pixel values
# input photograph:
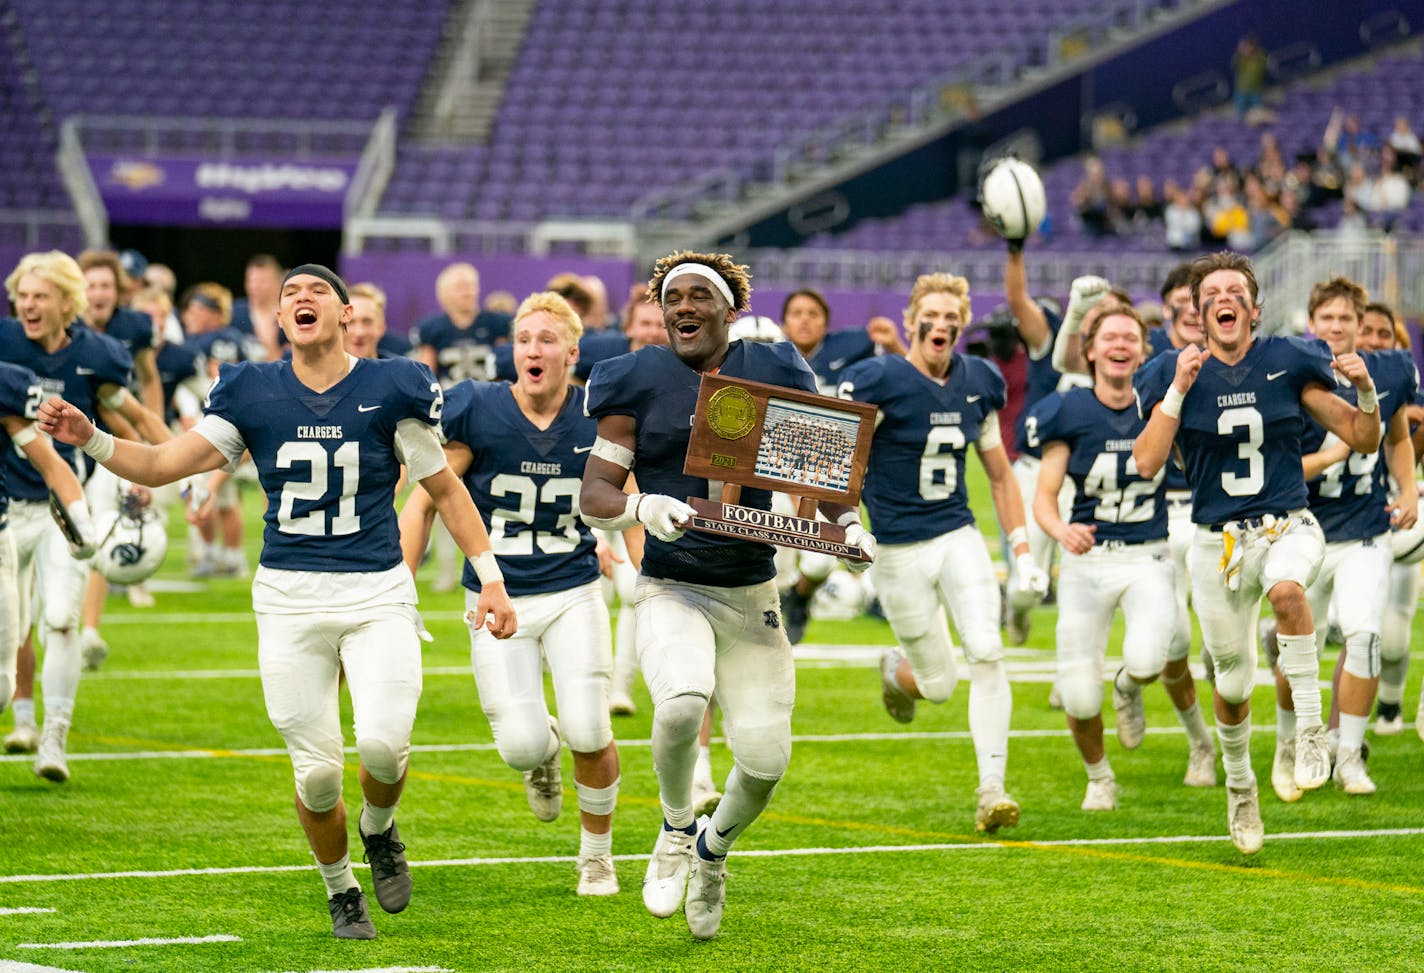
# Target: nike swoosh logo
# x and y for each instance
(1382, 395)
(582, 449)
(723, 834)
(81, 370)
(1272, 376)
(836, 365)
(367, 408)
(972, 398)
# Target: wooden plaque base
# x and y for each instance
(751, 524)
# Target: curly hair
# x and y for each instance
(737, 276)
(1340, 286)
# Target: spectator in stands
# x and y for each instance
(1248, 67)
(1352, 224)
(1223, 165)
(1406, 146)
(1351, 143)
(1389, 191)
(1183, 220)
(1225, 215)
(1265, 220)
(1149, 206)
(1090, 199)
(1122, 209)
(257, 314)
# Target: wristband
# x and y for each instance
(100, 446)
(848, 518)
(1017, 536)
(1368, 400)
(487, 568)
(1172, 402)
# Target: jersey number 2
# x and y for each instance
(313, 524)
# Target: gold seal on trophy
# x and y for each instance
(731, 412)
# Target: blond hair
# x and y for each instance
(951, 284)
(372, 293)
(153, 297)
(57, 267)
(556, 307)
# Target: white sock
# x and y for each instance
(1236, 752)
(746, 797)
(1195, 725)
(376, 820)
(1101, 770)
(591, 844)
(1391, 684)
(1285, 725)
(24, 712)
(1301, 666)
(991, 703)
(1352, 731)
(337, 876)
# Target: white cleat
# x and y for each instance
(597, 876)
(1283, 772)
(50, 762)
(544, 785)
(620, 703)
(1351, 775)
(706, 897)
(95, 650)
(1131, 720)
(1243, 818)
(898, 703)
(1390, 727)
(24, 738)
(1101, 795)
(1312, 758)
(665, 881)
(1201, 767)
(996, 808)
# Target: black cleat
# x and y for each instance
(795, 614)
(349, 917)
(389, 871)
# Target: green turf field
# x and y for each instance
(177, 824)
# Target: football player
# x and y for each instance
(933, 405)
(1350, 497)
(1235, 412)
(328, 433)
(707, 605)
(1115, 545)
(521, 450)
(94, 370)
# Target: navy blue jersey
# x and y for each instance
(393, 345)
(1241, 426)
(1159, 342)
(20, 395)
(838, 351)
(242, 320)
(660, 392)
(176, 364)
(462, 353)
(594, 347)
(914, 482)
(75, 373)
(1040, 379)
(1108, 491)
(1349, 497)
(133, 329)
(226, 346)
(525, 482)
(327, 460)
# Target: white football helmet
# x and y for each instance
(1409, 544)
(134, 543)
(755, 327)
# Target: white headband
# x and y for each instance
(700, 270)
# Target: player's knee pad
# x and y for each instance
(1234, 679)
(382, 761)
(522, 744)
(60, 614)
(597, 800)
(1362, 656)
(679, 718)
(932, 659)
(1394, 635)
(319, 785)
(587, 735)
(1081, 688)
(763, 752)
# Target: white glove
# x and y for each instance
(665, 517)
(420, 628)
(195, 489)
(857, 536)
(85, 544)
(1031, 577)
(1085, 292)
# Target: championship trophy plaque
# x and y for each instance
(812, 447)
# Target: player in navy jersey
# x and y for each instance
(1350, 496)
(1235, 412)
(933, 405)
(94, 370)
(20, 397)
(1115, 546)
(521, 450)
(707, 605)
(1380, 330)
(105, 287)
(457, 343)
(328, 433)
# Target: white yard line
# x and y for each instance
(25, 910)
(377, 969)
(146, 941)
(749, 853)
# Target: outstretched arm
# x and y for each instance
(147, 465)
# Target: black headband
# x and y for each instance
(325, 273)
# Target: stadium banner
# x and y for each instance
(248, 192)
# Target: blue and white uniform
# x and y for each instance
(20, 395)
(838, 351)
(708, 612)
(461, 353)
(1180, 529)
(525, 481)
(1128, 565)
(331, 592)
(1240, 436)
(1349, 499)
(931, 555)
